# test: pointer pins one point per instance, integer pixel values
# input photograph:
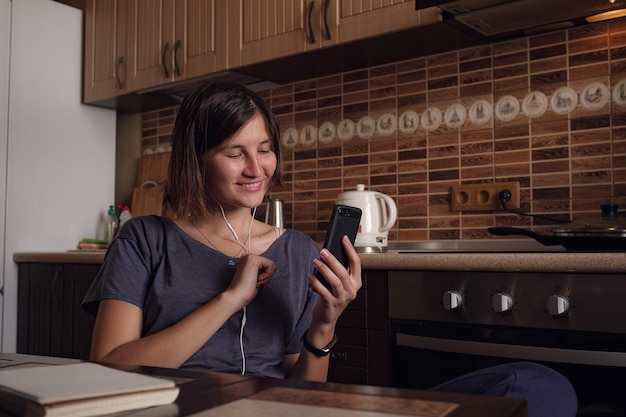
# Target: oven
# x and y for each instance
(444, 324)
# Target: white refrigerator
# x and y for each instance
(57, 156)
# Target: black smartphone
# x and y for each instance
(344, 220)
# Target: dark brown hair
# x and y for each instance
(208, 116)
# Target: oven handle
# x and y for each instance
(533, 353)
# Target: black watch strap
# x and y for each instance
(319, 352)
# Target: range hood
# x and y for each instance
(501, 19)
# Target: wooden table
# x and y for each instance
(214, 394)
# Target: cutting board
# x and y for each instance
(153, 167)
(148, 192)
(147, 200)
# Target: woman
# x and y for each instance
(209, 286)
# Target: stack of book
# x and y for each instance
(80, 390)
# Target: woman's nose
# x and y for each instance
(253, 167)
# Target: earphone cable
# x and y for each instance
(244, 317)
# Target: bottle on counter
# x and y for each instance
(124, 215)
(110, 224)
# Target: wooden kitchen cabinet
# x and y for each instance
(362, 354)
(360, 19)
(105, 58)
(173, 40)
(50, 320)
(274, 29)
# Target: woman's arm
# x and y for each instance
(117, 332)
(344, 287)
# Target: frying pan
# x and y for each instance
(605, 234)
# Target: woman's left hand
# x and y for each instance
(344, 284)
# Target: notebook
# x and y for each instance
(80, 390)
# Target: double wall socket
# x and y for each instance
(484, 196)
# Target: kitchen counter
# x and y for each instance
(597, 262)
(557, 261)
(70, 257)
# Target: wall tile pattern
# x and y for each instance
(567, 164)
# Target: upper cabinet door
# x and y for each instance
(106, 66)
(201, 38)
(150, 43)
(276, 28)
(174, 40)
(359, 19)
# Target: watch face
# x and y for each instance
(316, 351)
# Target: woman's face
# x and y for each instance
(239, 171)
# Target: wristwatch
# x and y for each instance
(319, 352)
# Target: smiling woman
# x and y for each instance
(197, 274)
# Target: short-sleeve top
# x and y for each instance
(156, 266)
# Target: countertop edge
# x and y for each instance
(596, 262)
(572, 262)
(77, 257)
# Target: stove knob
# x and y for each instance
(452, 300)
(558, 305)
(502, 302)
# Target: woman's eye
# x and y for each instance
(234, 156)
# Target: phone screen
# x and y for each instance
(344, 220)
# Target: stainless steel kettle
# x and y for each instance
(379, 215)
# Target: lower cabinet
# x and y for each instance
(50, 320)
(362, 354)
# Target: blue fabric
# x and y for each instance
(547, 392)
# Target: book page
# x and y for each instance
(55, 383)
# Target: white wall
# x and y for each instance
(61, 154)
(5, 38)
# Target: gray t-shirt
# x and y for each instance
(153, 264)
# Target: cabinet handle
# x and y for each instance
(118, 81)
(163, 62)
(325, 14)
(176, 67)
(310, 34)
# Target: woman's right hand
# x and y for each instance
(253, 272)
(117, 333)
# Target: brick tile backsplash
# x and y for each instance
(567, 159)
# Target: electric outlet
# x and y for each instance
(484, 196)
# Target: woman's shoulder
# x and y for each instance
(297, 239)
(148, 225)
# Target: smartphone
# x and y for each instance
(344, 220)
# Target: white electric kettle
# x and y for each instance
(379, 215)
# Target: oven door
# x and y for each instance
(424, 354)
(445, 324)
